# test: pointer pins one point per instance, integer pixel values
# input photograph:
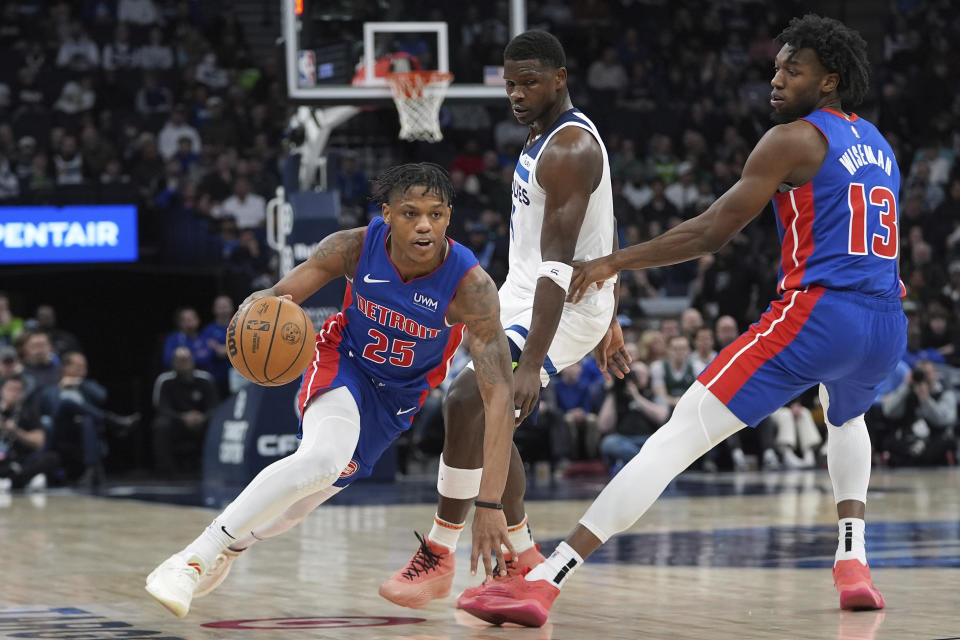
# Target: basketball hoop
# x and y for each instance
(418, 96)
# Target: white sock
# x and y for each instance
(520, 536)
(209, 543)
(558, 567)
(445, 533)
(851, 544)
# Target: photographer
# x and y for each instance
(921, 415)
(22, 441)
(628, 416)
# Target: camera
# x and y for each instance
(918, 375)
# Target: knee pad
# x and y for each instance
(331, 429)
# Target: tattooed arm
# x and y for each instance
(476, 305)
(335, 256)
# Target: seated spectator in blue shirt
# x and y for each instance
(72, 411)
(187, 335)
(215, 335)
(576, 404)
(352, 183)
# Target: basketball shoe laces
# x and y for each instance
(424, 561)
(510, 564)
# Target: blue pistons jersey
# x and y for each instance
(839, 321)
(840, 230)
(389, 345)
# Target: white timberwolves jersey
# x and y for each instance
(526, 220)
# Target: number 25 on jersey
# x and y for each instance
(880, 201)
(401, 352)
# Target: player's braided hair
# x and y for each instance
(399, 178)
(841, 50)
(536, 45)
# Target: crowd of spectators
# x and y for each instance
(162, 104)
(155, 103)
(680, 98)
(56, 422)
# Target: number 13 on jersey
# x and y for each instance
(881, 201)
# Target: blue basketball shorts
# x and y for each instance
(847, 341)
(385, 411)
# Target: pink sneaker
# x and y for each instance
(525, 561)
(514, 600)
(428, 576)
(857, 592)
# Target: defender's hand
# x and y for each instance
(526, 390)
(586, 274)
(611, 355)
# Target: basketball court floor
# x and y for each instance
(723, 556)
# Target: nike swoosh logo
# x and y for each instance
(400, 413)
(370, 280)
(224, 529)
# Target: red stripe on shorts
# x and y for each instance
(326, 359)
(777, 328)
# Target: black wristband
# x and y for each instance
(488, 505)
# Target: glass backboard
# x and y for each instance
(340, 50)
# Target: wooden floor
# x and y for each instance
(729, 556)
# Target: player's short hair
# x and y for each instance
(841, 50)
(536, 45)
(399, 178)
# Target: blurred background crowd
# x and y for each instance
(169, 106)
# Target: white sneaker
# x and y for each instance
(5, 485)
(173, 582)
(770, 460)
(37, 482)
(217, 572)
(739, 460)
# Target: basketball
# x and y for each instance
(270, 341)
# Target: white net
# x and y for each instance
(418, 96)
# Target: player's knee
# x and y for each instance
(319, 467)
(463, 413)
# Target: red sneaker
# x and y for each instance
(514, 600)
(857, 592)
(428, 576)
(525, 561)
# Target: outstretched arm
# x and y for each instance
(569, 169)
(335, 256)
(786, 154)
(476, 305)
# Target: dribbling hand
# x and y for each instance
(263, 293)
